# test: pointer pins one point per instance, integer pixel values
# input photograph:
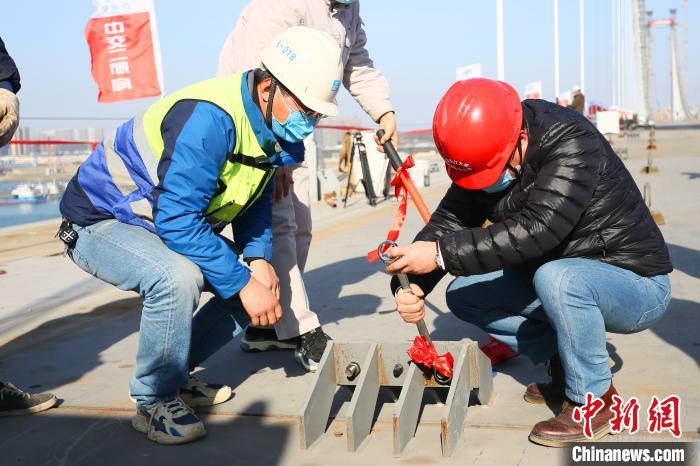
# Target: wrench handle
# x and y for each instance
(390, 151)
(405, 285)
(403, 280)
(423, 330)
(396, 163)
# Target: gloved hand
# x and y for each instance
(9, 115)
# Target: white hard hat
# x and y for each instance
(576, 88)
(308, 63)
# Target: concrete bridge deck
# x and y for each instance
(64, 331)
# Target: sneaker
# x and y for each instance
(311, 346)
(197, 393)
(265, 339)
(169, 423)
(14, 402)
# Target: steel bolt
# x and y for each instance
(442, 379)
(352, 370)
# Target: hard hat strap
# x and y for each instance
(271, 97)
(519, 148)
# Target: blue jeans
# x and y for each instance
(566, 309)
(171, 341)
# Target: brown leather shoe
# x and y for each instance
(562, 429)
(551, 392)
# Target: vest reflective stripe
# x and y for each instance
(143, 209)
(150, 161)
(240, 182)
(116, 167)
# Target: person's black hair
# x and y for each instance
(260, 74)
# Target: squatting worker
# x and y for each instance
(148, 203)
(573, 251)
(300, 329)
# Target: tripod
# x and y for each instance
(359, 145)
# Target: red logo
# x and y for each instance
(665, 415)
(626, 416)
(662, 415)
(587, 412)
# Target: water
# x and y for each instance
(24, 213)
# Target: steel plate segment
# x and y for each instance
(407, 408)
(364, 400)
(317, 404)
(452, 422)
(367, 366)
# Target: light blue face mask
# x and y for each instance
(297, 127)
(502, 183)
(345, 2)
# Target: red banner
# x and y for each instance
(123, 52)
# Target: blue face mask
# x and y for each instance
(345, 2)
(501, 184)
(297, 127)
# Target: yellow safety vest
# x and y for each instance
(247, 169)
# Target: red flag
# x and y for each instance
(123, 45)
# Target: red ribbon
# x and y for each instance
(400, 216)
(423, 352)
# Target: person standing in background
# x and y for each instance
(579, 100)
(299, 329)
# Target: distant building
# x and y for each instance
(22, 133)
(68, 134)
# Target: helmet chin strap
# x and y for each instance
(270, 99)
(518, 170)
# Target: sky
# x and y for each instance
(416, 44)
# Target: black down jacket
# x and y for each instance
(574, 198)
(8, 70)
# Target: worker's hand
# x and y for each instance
(283, 181)
(417, 258)
(388, 123)
(411, 305)
(260, 303)
(263, 272)
(9, 115)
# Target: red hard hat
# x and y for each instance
(476, 127)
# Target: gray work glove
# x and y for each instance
(9, 115)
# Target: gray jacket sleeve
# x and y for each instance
(366, 84)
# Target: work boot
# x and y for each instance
(169, 423)
(562, 429)
(15, 402)
(196, 393)
(551, 392)
(311, 346)
(265, 339)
